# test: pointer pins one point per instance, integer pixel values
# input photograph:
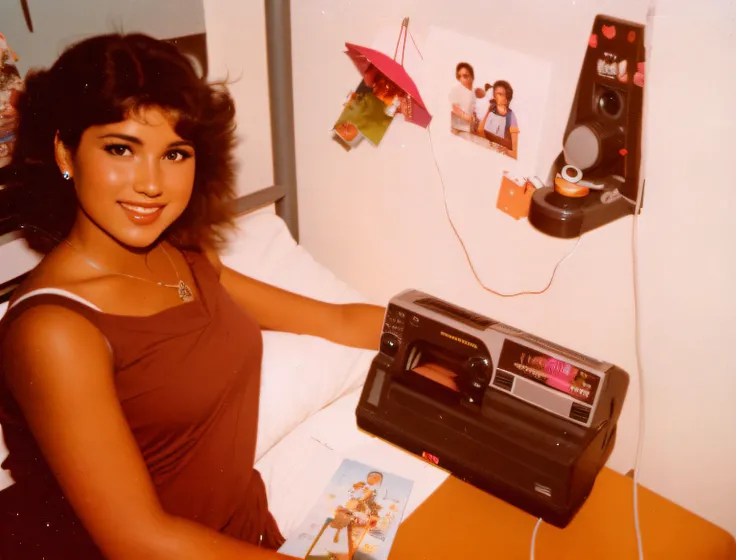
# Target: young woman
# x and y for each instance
(130, 358)
(500, 126)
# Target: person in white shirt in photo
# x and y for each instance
(462, 97)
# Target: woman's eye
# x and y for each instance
(118, 149)
(177, 155)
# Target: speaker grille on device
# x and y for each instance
(582, 148)
(610, 104)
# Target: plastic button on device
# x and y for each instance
(478, 373)
(389, 344)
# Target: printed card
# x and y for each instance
(356, 517)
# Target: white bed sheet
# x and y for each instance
(297, 470)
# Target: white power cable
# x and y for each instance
(637, 316)
(637, 344)
(637, 327)
(534, 537)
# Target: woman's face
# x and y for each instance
(465, 77)
(499, 95)
(134, 178)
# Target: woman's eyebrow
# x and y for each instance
(127, 138)
(181, 143)
(137, 141)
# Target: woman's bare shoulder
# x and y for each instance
(38, 327)
(67, 271)
(58, 269)
(37, 341)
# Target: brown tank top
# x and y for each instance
(188, 379)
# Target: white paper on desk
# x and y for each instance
(297, 469)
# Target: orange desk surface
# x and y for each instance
(459, 521)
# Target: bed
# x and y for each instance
(310, 388)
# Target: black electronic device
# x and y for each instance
(520, 417)
(596, 178)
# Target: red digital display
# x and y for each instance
(558, 374)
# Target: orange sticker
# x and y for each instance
(431, 458)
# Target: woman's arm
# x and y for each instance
(457, 110)
(353, 324)
(482, 124)
(59, 369)
(513, 152)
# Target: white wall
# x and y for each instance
(377, 218)
(55, 23)
(236, 45)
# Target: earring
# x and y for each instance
(66, 175)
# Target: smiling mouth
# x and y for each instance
(142, 214)
(141, 209)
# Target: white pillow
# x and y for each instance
(262, 247)
(300, 374)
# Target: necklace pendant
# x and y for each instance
(185, 292)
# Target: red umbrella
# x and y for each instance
(364, 57)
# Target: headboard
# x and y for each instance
(281, 104)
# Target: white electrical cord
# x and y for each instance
(637, 346)
(534, 536)
(467, 254)
(637, 336)
(635, 262)
(635, 266)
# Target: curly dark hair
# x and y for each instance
(467, 66)
(98, 81)
(506, 87)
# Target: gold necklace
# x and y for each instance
(183, 290)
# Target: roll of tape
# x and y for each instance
(571, 173)
(572, 190)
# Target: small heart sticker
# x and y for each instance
(639, 75)
(609, 31)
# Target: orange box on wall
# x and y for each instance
(515, 199)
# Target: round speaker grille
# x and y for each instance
(611, 104)
(582, 147)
